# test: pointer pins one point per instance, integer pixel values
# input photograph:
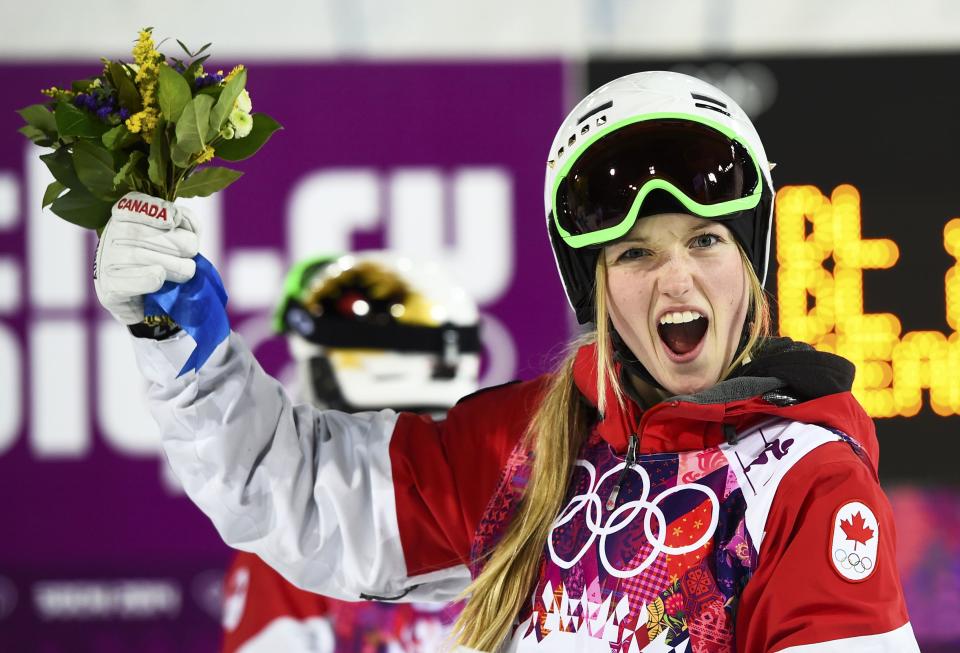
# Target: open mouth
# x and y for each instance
(682, 331)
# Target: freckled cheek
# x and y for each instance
(629, 302)
(726, 286)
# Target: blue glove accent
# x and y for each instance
(199, 306)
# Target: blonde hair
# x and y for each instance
(556, 433)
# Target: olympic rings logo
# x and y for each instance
(848, 561)
(623, 516)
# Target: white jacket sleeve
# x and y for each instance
(309, 491)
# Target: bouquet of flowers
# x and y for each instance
(151, 126)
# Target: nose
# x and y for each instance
(676, 276)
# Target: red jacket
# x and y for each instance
(450, 484)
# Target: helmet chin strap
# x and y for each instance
(623, 355)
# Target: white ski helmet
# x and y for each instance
(647, 143)
(376, 330)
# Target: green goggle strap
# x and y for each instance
(293, 286)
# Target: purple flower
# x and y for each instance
(124, 114)
(85, 101)
(207, 80)
(103, 113)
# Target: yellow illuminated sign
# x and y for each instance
(823, 305)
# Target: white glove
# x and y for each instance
(146, 242)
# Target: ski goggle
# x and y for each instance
(343, 333)
(597, 195)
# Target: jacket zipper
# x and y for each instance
(629, 462)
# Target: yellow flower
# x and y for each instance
(134, 122)
(236, 70)
(206, 155)
(147, 62)
(143, 121)
(57, 93)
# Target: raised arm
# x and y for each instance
(310, 492)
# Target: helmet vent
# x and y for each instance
(571, 140)
(560, 153)
(585, 129)
(712, 108)
(594, 111)
(707, 98)
(707, 102)
(602, 120)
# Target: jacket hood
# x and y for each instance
(785, 379)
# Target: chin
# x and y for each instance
(688, 385)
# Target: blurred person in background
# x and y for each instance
(368, 331)
(684, 481)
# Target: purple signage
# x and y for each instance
(440, 161)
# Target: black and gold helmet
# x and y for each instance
(376, 330)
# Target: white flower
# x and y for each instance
(243, 102)
(242, 123)
(228, 132)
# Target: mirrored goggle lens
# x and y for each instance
(704, 164)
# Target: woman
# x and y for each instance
(682, 482)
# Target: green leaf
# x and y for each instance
(207, 181)
(119, 138)
(159, 160)
(123, 180)
(238, 149)
(72, 121)
(81, 85)
(83, 209)
(190, 74)
(173, 93)
(673, 622)
(126, 88)
(202, 50)
(180, 157)
(192, 127)
(185, 48)
(54, 190)
(37, 136)
(40, 117)
(60, 164)
(94, 166)
(228, 96)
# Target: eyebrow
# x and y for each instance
(631, 239)
(644, 240)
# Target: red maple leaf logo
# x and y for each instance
(856, 530)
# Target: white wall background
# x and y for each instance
(323, 29)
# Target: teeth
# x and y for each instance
(680, 317)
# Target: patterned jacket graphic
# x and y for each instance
(398, 505)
